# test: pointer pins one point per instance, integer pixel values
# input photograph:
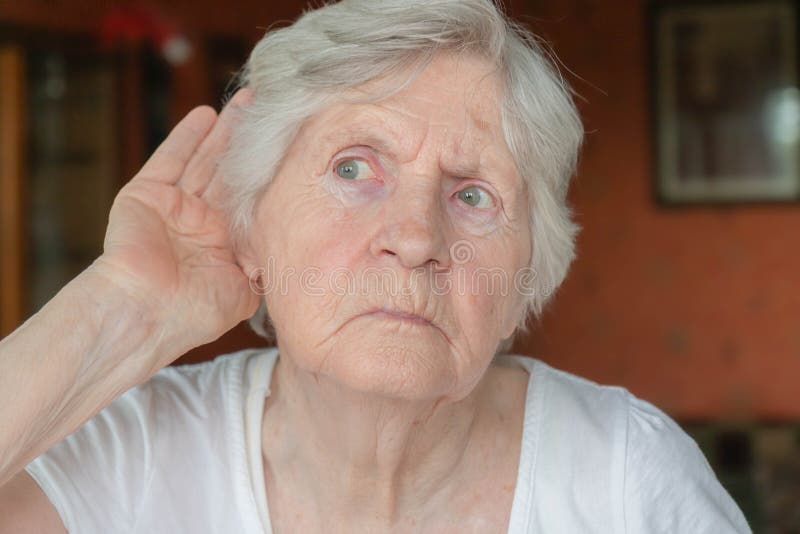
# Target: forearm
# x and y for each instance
(66, 363)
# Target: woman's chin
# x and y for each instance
(414, 364)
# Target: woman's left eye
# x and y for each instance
(353, 169)
(476, 197)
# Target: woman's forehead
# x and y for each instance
(457, 91)
(456, 103)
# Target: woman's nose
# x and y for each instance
(413, 228)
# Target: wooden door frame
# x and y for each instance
(12, 186)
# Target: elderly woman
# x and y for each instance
(387, 197)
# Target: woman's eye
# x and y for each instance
(476, 197)
(353, 169)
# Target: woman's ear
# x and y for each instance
(246, 259)
(255, 271)
(508, 332)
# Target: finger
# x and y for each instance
(168, 162)
(201, 168)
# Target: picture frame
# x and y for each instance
(726, 101)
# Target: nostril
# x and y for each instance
(410, 243)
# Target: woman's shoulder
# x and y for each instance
(201, 374)
(553, 393)
(609, 408)
(669, 484)
(620, 457)
(140, 455)
(186, 386)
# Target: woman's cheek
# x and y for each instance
(486, 286)
(479, 315)
(474, 222)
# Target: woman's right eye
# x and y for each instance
(353, 169)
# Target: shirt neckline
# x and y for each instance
(522, 504)
(259, 377)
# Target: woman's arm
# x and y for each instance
(67, 362)
(167, 281)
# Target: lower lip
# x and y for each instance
(407, 318)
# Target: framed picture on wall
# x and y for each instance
(726, 101)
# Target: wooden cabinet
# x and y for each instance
(60, 125)
(78, 117)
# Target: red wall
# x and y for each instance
(695, 309)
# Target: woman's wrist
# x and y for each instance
(125, 325)
(152, 314)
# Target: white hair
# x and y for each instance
(295, 71)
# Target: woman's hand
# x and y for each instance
(167, 245)
(166, 282)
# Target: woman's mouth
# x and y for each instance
(400, 316)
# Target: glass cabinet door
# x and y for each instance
(72, 166)
(60, 135)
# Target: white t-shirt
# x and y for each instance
(182, 453)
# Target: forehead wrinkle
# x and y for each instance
(479, 135)
(381, 138)
(468, 150)
(374, 126)
(494, 154)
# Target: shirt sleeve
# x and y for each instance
(97, 476)
(669, 485)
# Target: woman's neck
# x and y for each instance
(353, 456)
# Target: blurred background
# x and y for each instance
(686, 289)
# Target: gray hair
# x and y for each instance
(294, 72)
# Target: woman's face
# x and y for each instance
(391, 236)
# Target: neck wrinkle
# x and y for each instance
(354, 455)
